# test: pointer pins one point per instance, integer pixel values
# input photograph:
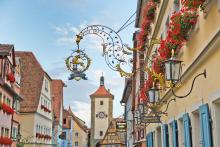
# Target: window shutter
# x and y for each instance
(187, 130)
(205, 126)
(150, 140)
(165, 136)
(175, 133)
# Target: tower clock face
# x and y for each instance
(102, 115)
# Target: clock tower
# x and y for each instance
(101, 112)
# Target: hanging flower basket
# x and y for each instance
(10, 77)
(193, 4)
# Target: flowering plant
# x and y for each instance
(147, 19)
(156, 66)
(10, 77)
(149, 10)
(181, 23)
(7, 109)
(193, 4)
(5, 141)
(45, 109)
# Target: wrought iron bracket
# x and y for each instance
(193, 82)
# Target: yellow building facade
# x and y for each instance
(200, 111)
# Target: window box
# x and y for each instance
(7, 109)
(10, 77)
(5, 141)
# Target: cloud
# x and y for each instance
(82, 110)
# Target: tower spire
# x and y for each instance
(102, 80)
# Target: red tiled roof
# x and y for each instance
(102, 92)
(77, 120)
(5, 50)
(57, 93)
(32, 75)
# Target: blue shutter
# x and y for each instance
(175, 133)
(147, 140)
(165, 136)
(150, 140)
(187, 130)
(205, 126)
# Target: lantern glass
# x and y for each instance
(154, 95)
(141, 108)
(172, 69)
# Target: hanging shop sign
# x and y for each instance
(150, 119)
(121, 126)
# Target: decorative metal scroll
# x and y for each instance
(118, 56)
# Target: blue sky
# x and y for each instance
(48, 27)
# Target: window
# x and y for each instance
(42, 101)
(176, 5)
(46, 85)
(8, 102)
(101, 133)
(76, 143)
(195, 127)
(0, 97)
(14, 132)
(158, 137)
(167, 24)
(76, 134)
(16, 106)
(4, 99)
(2, 131)
(101, 102)
(6, 132)
(216, 107)
(165, 135)
(64, 121)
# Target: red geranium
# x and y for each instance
(156, 66)
(10, 77)
(149, 10)
(181, 23)
(7, 109)
(5, 141)
(193, 4)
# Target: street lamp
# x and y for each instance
(154, 94)
(173, 69)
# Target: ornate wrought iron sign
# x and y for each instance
(118, 56)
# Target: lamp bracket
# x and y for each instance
(201, 74)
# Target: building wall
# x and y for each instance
(79, 136)
(129, 118)
(201, 52)
(101, 124)
(98, 124)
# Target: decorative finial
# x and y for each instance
(102, 80)
(172, 53)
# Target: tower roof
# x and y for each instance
(102, 92)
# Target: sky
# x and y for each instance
(48, 29)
